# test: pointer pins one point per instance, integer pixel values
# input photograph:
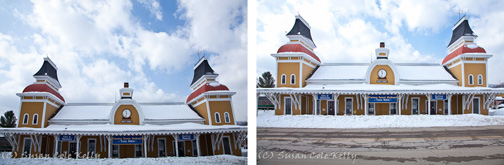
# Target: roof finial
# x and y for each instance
(461, 11)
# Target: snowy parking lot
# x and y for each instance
(269, 119)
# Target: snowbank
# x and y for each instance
(269, 119)
(220, 159)
(496, 112)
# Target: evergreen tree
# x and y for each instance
(8, 120)
(266, 80)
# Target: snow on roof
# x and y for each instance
(101, 111)
(434, 72)
(168, 111)
(341, 71)
(84, 111)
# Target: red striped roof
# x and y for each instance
(205, 88)
(462, 50)
(42, 88)
(297, 48)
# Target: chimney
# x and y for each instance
(382, 52)
(126, 92)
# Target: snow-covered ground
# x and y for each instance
(269, 119)
(220, 159)
(496, 112)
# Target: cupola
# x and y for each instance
(126, 92)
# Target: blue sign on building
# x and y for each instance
(325, 96)
(67, 138)
(382, 98)
(127, 140)
(438, 97)
(186, 137)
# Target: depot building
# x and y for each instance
(49, 126)
(306, 85)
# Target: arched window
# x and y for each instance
(35, 119)
(217, 117)
(480, 79)
(26, 117)
(293, 79)
(283, 78)
(226, 117)
(471, 79)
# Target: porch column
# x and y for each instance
(197, 145)
(176, 144)
(109, 139)
(449, 104)
(145, 145)
(77, 138)
(366, 111)
(314, 104)
(429, 103)
(55, 152)
(399, 104)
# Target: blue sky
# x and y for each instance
(98, 45)
(350, 31)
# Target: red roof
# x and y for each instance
(205, 88)
(297, 48)
(42, 88)
(462, 50)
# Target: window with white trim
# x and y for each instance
(471, 79)
(217, 117)
(26, 117)
(480, 79)
(293, 79)
(35, 119)
(283, 79)
(226, 117)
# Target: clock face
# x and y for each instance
(126, 113)
(382, 73)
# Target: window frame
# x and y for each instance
(293, 79)
(418, 105)
(35, 119)
(480, 78)
(165, 148)
(285, 105)
(88, 142)
(351, 105)
(470, 79)
(24, 144)
(283, 79)
(26, 118)
(227, 119)
(217, 117)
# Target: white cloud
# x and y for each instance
(153, 7)
(97, 45)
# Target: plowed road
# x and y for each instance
(439, 145)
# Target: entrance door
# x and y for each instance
(27, 146)
(288, 106)
(161, 147)
(348, 106)
(194, 147)
(415, 106)
(445, 107)
(138, 151)
(72, 149)
(181, 149)
(393, 109)
(476, 106)
(433, 107)
(371, 108)
(330, 107)
(91, 147)
(227, 145)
